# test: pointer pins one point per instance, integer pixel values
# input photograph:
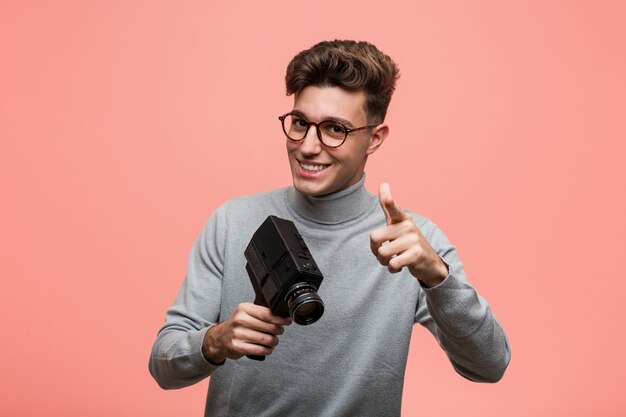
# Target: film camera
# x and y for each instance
(283, 273)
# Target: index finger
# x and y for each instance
(393, 212)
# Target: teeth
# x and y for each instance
(313, 168)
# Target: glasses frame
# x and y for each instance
(317, 129)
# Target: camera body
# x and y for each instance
(283, 273)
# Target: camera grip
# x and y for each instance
(256, 358)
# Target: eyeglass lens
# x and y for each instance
(331, 133)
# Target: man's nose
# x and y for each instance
(311, 144)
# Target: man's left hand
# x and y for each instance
(401, 243)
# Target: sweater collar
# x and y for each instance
(339, 207)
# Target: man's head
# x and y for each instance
(341, 93)
(351, 65)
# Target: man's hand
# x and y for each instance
(251, 330)
(401, 244)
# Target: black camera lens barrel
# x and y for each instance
(305, 305)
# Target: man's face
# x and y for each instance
(318, 170)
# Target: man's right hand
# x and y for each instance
(251, 330)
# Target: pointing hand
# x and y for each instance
(401, 244)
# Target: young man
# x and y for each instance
(352, 361)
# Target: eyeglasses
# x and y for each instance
(330, 132)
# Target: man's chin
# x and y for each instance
(310, 188)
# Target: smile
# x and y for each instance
(313, 167)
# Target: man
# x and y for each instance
(384, 270)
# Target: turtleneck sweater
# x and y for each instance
(351, 362)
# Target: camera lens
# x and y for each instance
(305, 305)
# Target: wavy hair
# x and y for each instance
(351, 65)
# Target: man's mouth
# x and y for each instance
(313, 167)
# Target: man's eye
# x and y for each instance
(297, 123)
(334, 129)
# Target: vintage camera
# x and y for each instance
(283, 273)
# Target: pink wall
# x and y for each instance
(124, 124)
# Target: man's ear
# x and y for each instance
(379, 134)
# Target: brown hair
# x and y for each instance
(351, 65)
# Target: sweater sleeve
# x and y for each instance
(461, 319)
(176, 360)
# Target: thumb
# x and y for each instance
(393, 212)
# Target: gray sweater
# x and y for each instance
(352, 361)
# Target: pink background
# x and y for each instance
(124, 124)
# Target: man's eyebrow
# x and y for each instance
(344, 122)
(299, 113)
